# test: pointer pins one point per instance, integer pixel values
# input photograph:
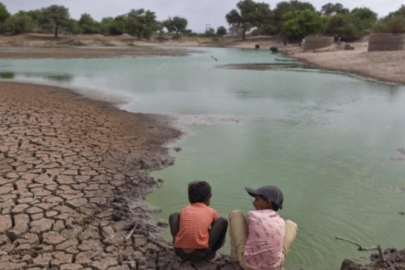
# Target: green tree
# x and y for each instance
(19, 23)
(141, 23)
(55, 15)
(250, 15)
(106, 25)
(88, 24)
(221, 31)
(366, 18)
(330, 9)
(284, 7)
(119, 26)
(176, 24)
(343, 26)
(113, 26)
(34, 14)
(4, 14)
(72, 26)
(298, 24)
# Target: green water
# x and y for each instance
(325, 139)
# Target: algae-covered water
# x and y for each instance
(328, 141)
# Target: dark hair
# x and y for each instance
(274, 206)
(198, 192)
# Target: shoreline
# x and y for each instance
(74, 174)
(347, 72)
(157, 253)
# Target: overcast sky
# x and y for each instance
(198, 12)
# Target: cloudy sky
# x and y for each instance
(198, 12)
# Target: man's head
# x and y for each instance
(199, 192)
(267, 197)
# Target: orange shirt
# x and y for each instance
(195, 222)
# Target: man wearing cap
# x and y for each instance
(262, 239)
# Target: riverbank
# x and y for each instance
(74, 173)
(77, 52)
(386, 66)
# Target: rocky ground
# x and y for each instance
(395, 260)
(73, 174)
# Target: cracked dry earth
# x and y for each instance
(73, 173)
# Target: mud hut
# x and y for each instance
(386, 42)
(315, 42)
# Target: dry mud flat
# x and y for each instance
(73, 173)
(80, 52)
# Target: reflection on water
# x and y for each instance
(60, 78)
(325, 139)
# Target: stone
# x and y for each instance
(349, 265)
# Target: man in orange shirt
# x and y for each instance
(198, 232)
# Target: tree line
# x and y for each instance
(295, 20)
(291, 19)
(138, 22)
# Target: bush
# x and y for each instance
(344, 26)
(394, 25)
(18, 24)
(297, 25)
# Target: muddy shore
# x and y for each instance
(73, 176)
(72, 52)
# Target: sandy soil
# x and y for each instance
(73, 174)
(388, 66)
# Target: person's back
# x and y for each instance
(262, 239)
(195, 222)
(198, 232)
(264, 246)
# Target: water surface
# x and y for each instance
(326, 140)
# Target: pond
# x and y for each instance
(329, 141)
